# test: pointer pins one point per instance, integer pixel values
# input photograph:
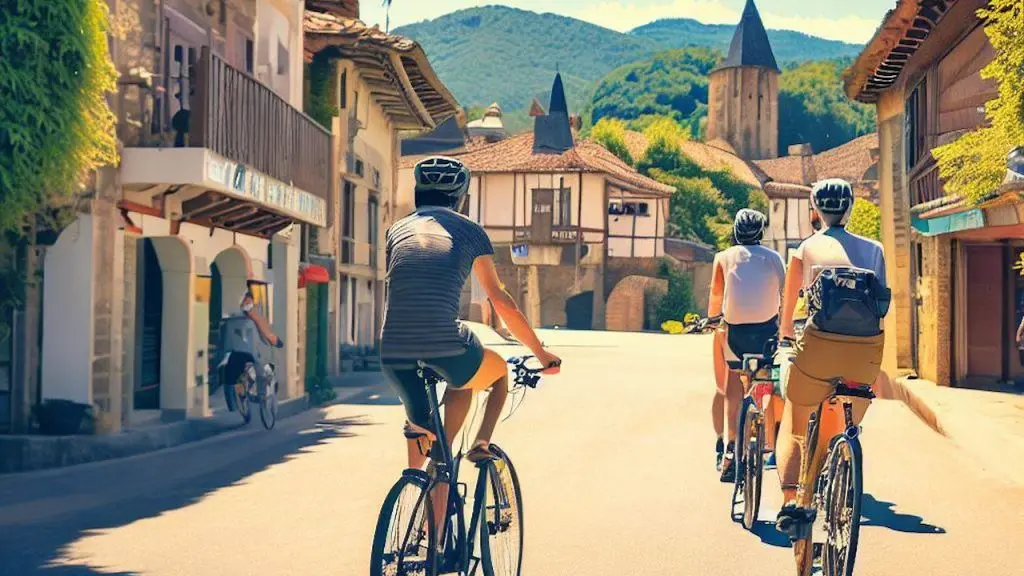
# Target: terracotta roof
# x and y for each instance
(707, 156)
(899, 36)
(516, 155)
(392, 65)
(852, 162)
(344, 8)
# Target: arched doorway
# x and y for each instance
(229, 274)
(146, 395)
(579, 311)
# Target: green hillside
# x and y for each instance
(506, 55)
(812, 106)
(787, 45)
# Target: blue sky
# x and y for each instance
(837, 19)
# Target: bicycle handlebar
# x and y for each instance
(524, 375)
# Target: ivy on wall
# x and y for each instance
(322, 100)
(55, 126)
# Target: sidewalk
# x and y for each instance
(22, 453)
(987, 425)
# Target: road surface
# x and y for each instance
(615, 458)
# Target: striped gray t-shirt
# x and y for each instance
(430, 254)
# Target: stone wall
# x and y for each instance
(934, 290)
(108, 303)
(130, 296)
(743, 107)
(625, 309)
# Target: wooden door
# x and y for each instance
(984, 312)
(543, 215)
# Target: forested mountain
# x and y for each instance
(506, 55)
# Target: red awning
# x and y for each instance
(311, 273)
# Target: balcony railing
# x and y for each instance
(925, 186)
(243, 120)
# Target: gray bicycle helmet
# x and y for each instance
(833, 199)
(446, 177)
(748, 228)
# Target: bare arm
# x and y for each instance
(717, 291)
(790, 294)
(504, 305)
(1020, 331)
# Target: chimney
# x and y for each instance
(800, 150)
(808, 173)
(575, 124)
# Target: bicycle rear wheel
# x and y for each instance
(501, 527)
(753, 466)
(268, 405)
(404, 543)
(740, 457)
(842, 505)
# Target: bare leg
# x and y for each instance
(718, 414)
(733, 401)
(495, 403)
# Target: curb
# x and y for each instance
(907, 394)
(29, 453)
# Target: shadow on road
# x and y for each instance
(41, 517)
(770, 535)
(880, 513)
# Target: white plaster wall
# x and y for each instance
(284, 320)
(207, 247)
(279, 22)
(68, 315)
(594, 208)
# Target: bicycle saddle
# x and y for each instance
(431, 373)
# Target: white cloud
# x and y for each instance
(847, 28)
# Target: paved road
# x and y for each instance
(615, 460)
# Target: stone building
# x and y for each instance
(957, 300)
(384, 85)
(743, 95)
(204, 204)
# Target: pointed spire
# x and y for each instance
(558, 103)
(551, 132)
(750, 45)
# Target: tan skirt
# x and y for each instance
(821, 357)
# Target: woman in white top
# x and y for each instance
(745, 290)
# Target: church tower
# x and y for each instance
(743, 98)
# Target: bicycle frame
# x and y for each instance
(842, 394)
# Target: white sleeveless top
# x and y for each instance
(754, 276)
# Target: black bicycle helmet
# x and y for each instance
(749, 226)
(833, 199)
(442, 176)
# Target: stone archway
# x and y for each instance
(229, 275)
(179, 397)
(579, 311)
(625, 308)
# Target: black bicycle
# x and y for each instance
(837, 493)
(407, 542)
(759, 379)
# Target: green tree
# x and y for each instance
(814, 109)
(865, 220)
(611, 133)
(974, 165)
(678, 301)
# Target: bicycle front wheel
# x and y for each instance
(501, 527)
(845, 487)
(404, 543)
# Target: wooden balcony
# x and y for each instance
(925, 185)
(244, 120)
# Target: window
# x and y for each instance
(343, 90)
(260, 298)
(348, 209)
(563, 207)
(360, 168)
(282, 59)
(615, 208)
(915, 127)
(371, 230)
(642, 209)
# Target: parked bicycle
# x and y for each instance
(407, 541)
(760, 379)
(702, 325)
(836, 501)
